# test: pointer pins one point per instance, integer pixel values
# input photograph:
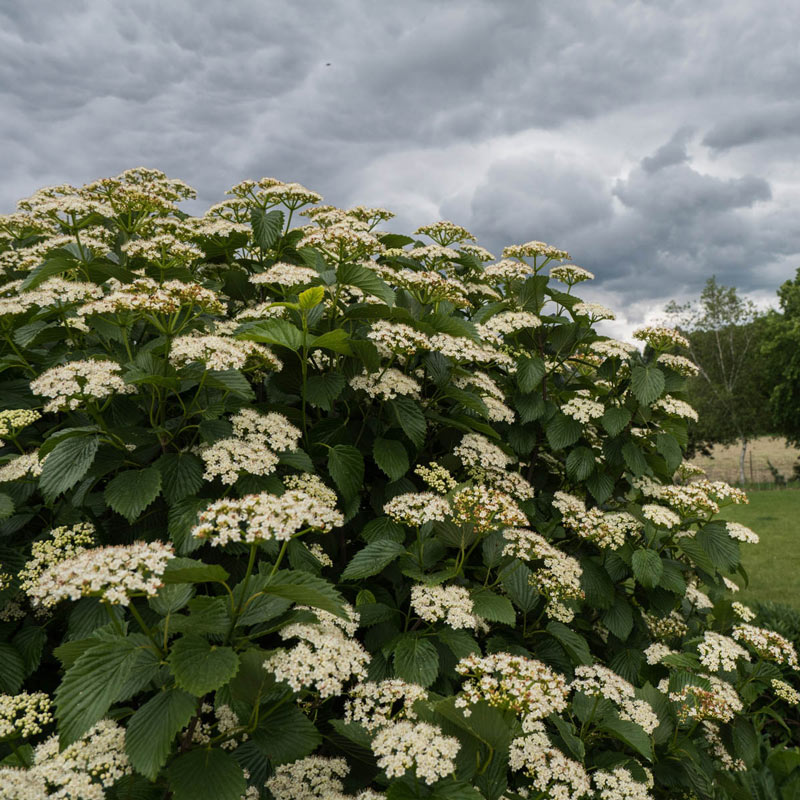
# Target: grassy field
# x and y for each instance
(773, 565)
(723, 464)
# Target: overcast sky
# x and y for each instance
(656, 141)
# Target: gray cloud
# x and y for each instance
(583, 122)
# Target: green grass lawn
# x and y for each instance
(773, 565)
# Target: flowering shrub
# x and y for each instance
(328, 512)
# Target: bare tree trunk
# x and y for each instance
(741, 460)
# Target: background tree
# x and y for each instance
(730, 393)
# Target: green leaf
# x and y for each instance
(459, 642)
(91, 685)
(307, 590)
(634, 459)
(152, 729)
(614, 419)
(516, 580)
(274, 331)
(267, 227)
(170, 597)
(190, 570)
(346, 466)
(200, 667)
(647, 384)
(416, 660)
(322, 390)
(336, 340)
(668, 448)
(130, 492)
(410, 418)
(372, 559)
(391, 456)
(630, 734)
(530, 371)
(571, 641)
(67, 463)
(29, 643)
(181, 475)
(47, 269)
(6, 506)
(206, 774)
(619, 618)
(383, 528)
(232, 381)
(181, 520)
(286, 735)
(563, 431)
(601, 486)
(580, 463)
(206, 615)
(12, 669)
(596, 584)
(352, 274)
(493, 607)
(311, 297)
(722, 550)
(647, 567)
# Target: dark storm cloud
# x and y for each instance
(583, 121)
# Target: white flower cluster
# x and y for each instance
(717, 747)
(288, 275)
(70, 385)
(525, 686)
(607, 529)
(309, 778)
(265, 516)
(24, 714)
(376, 704)
(676, 408)
(54, 292)
(767, 644)
(15, 420)
(661, 516)
(534, 249)
(397, 337)
(660, 338)
(785, 692)
(113, 573)
(326, 657)
(387, 384)
(741, 533)
(700, 600)
(83, 770)
(583, 409)
(745, 613)
(594, 311)
(679, 364)
(416, 508)
(221, 352)
(477, 452)
(459, 348)
(406, 745)
(656, 652)
(251, 449)
(436, 477)
(619, 784)
(450, 604)
(485, 508)
(571, 274)
(611, 348)
(559, 580)
(695, 702)
(148, 296)
(64, 542)
(670, 626)
(551, 772)
(718, 652)
(508, 322)
(506, 271)
(597, 680)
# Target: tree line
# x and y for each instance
(748, 383)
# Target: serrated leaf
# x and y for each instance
(619, 618)
(130, 492)
(391, 456)
(352, 274)
(630, 734)
(647, 384)
(580, 463)
(493, 607)
(416, 661)
(668, 448)
(310, 298)
(267, 227)
(29, 643)
(530, 371)
(614, 419)
(563, 431)
(383, 528)
(372, 559)
(307, 590)
(206, 615)
(200, 667)
(181, 475)
(634, 458)
(346, 467)
(337, 340)
(152, 729)
(6, 506)
(274, 331)
(647, 567)
(459, 642)
(181, 520)
(596, 584)
(717, 543)
(410, 418)
(66, 464)
(91, 685)
(571, 641)
(12, 669)
(232, 381)
(516, 580)
(286, 735)
(190, 570)
(322, 390)
(206, 774)
(601, 486)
